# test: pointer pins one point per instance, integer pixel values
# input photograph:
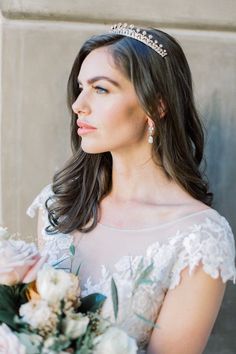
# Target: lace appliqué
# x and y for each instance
(56, 246)
(209, 242)
(136, 299)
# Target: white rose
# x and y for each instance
(9, 343)
(75, 325)
(37, 313)
(115, 341)
(16, 259)
(54, 285)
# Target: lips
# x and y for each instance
(84, 125)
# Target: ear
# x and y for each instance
(162, 108)
(150, 122)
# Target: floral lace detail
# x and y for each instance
(209, 242)
(137, 300)
(55, 245)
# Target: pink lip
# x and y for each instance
(84, 125)
(82, 131)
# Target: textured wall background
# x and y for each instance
(38, 43)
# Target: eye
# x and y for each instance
(100, 90)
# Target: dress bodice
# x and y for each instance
(165, 250)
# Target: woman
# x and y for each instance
(133, 193)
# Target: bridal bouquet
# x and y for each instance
(42, 312)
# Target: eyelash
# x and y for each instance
(100, 88)
(96, 88)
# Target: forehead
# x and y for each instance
(99, 62)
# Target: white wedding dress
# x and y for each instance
(203, 236)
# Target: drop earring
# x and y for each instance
(150, 136)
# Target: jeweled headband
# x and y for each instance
(142, 36)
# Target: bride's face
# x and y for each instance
(108, 103)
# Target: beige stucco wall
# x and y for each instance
(38, 43)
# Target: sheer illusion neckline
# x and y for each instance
(162, 225)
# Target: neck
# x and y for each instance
(140, 179)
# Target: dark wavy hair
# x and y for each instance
(178, 142)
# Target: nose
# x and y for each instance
(80, 106)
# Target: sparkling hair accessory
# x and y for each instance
(142, 36)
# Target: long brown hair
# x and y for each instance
(86, 178)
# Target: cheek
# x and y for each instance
(123, 133)
(118, 125)
(122, 117)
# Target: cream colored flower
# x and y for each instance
(9, 343)
(50, 342)
(54, 285)
(38, 314)
(16, 259)
(115, 341)
(75, 325)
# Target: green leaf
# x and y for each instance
(7, 295)
(145, 281)
(115, 299)
(148, 322)
(72, 249)
(140, 266)
(11, 298)
(77, 272)
(59, 262)
(8, 318)
(85, 343)
(59, 343)
(92, 303)
(143, 276)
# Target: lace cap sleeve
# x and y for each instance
(39, 201)
(57, 246)
(210, 243)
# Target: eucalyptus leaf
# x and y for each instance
(77, 272)
(143, 276)
(145, 282)
(60, 261)
(115, 300)
(148, 322)
(140, 266)
(72, 249)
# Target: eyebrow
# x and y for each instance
(97, 78)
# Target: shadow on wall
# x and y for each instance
(220, 156)
(222, 339)
(221, 171)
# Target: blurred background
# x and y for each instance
(39, 41)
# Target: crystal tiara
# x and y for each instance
(142, 36)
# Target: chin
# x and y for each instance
(92, 148)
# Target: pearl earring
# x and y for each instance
(150, 137)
